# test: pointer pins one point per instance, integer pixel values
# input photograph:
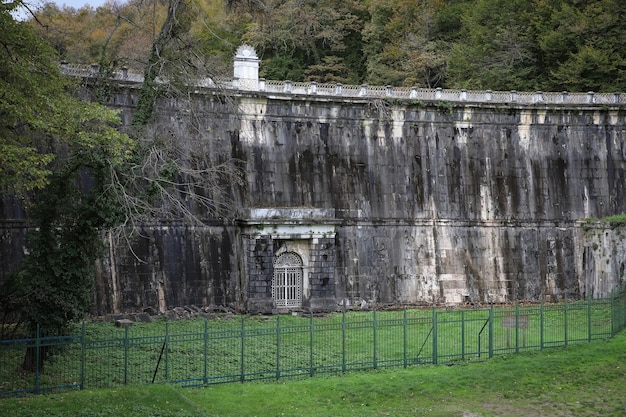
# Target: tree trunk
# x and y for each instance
(149, 89)
(32, 361)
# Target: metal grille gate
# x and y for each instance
(287, 280)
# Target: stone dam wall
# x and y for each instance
(352, 200)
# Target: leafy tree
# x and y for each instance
(57, 152)
(498, 50)
(583, 44)
(407, 42)
(380, 49)
(167, 58)
(118, 34)
(306, 39)
(558, 35)
(36, 107)
(219, 33)
(84, 178)
(541, 44)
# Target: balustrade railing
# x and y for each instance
(313, 88)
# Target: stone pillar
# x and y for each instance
(259, 257)
(246, 68)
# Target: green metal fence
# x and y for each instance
(238, 348)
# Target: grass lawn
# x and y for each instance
(582, 380)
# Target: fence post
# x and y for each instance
(83, 353)
(167, 355)
(243, 337)
(613, 312)
(404, 352)
(620, 310)
(621, 299)
(618, 318)
(491, 315)
(343, 341)
(589, 317)
(206, 352)
(37, 357)
(374, 359)
(516, 326)
(434, 319)
(541, 323)
(311, 330)
(462, 335)
(278, 347)
(619, 305)
(565, 320)
(126, 355)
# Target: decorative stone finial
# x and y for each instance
(246, 51)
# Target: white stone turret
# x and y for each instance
(246, 68)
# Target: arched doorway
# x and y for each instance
(287, 281)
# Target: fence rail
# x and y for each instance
(237, 348)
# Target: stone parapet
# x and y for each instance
(244, 81)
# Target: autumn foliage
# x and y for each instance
(549, 45)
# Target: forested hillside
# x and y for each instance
(549, 45)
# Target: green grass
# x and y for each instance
(615, 218)
(128, 401)
(586, 380)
